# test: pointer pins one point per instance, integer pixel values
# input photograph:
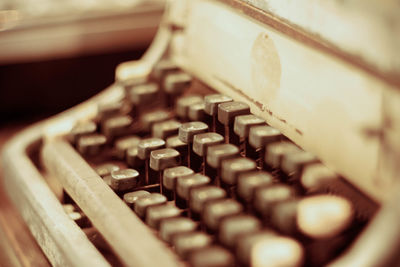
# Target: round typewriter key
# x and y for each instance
(144, 149)
(91, 144)
(162, 68)
(107, 180)
(276, 151)
(187, 131)
(185, 243)
(185, 184)
(259, 138)
(144, 94)
(215, 155)
(172, 226)
(176, 143)
(150, 118)
(125, 179)
(201, 142)
(211, 103)
(116, 126)
(250, 181)
(265, 198)
(176, 82)
(315, 177)
(324, 216)
(165, 129)
(169, 179)
(227, 112)
(242, 127)
(155, 214)
(212, 256)
(201, 195)
(183, 104)
(106, 169)
(265, 248)
(133, 159)
(131, 197)
(107, 110)
(216, 210)
(161, 159)
(196, 112)
(124, 143)
(293, 163)
(232, 168)
(232, 228)
(81, 129)
(147, 145)
(144, 202)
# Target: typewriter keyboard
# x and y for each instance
(216, 183)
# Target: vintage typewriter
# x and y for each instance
(239, 139)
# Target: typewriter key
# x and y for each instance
(144, 202)
(172, 226)
(150, 118)
(131, 197)
(216, 210)
(144, 95)
(160, 160)
(176, 143)
(174, 85)
(132, 158)
(265, 198)
(293, 163)
(265, 248)
(259, 138)
(212, 256)
(211, 108)
(185, 243)
(196, 113)
(215, 155)
(201, 142)
(91, 144)
(116, 126)
(155, 214)
(232, 228)
(165, 129)
(124, 143)
(232, 168)
(183, 104)
(176, 82)
(162, 68)
(242, 127)
(201, 195)
(144, 149)
(81, 129)
(318, 217)
(170, 176)
(274, 153)
(108, 110)
(316, 177)
(187, 131)
(250, 181)
(227, 112)
(106, 169)
(185, 184)
(125, 179)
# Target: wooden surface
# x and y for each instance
(17, 245)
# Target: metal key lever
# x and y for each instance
(116, 222)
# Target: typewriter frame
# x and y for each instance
(58, 236)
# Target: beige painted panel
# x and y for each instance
(318, 101)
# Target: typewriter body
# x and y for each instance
(329, 95)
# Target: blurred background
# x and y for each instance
(55, 54)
